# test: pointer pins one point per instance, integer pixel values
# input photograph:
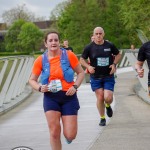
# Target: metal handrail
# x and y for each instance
(15, 72)
(14, 75)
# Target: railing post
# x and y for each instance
(14, 76)
(143, 81)
(6, 86)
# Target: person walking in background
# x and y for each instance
(92, 38)
(143, 55)
(88, 60)
(60, 100)
(66, 45)
(102, 68)
(132, 47)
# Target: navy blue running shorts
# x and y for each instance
(106, 83)
(67, 105)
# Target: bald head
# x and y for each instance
(98, 34)
(98, 29)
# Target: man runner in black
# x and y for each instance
(143, 54)
(104, 57)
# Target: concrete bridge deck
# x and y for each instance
(128, 129)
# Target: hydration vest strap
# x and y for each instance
(46, 69)
(64, 57)
(44, 59)
(65, 65)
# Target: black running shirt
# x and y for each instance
(69, 48)
(144, 53)
(101, 57)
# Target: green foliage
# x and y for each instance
(23, 37)
(76, 19)
(137, 17)
(13, 53)
(12, 42)
(76, 23)
(79, 18)
(114, 30)
(2, 46)
(120, 19)
(30, 37)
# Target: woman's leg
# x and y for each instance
(70, 126)
(53, 120)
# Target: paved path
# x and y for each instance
(26, 124)
(129, 129)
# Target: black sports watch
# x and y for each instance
(75, 86)
(40, 89)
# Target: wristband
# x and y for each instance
(40, 89)
(75, 86)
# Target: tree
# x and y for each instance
(57, 11)
(12, 42)
(77, 21)
(79, 18)
(137, 17)
(113, 26)
(19, 12)
(30, 37)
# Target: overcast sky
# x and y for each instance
(38, 7)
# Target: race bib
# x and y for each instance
(55, 86)
(103, 61)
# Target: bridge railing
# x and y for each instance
(14, 75)
(131, 56)
(15, 72)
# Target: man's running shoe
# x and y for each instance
(109, 111)
(102, 122)
(68, 141)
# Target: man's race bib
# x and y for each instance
(55, 86)
(103, 61)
